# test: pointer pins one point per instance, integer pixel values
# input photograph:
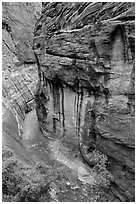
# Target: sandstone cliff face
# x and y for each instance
(18, 61)
(85, 57)
(10, 135)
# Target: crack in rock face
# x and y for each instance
(85, 58)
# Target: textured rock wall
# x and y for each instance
(18, 61)
(10, 135)
(85, 57)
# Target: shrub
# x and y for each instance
(24, 182)
(103, 176)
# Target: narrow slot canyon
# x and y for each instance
(68, 93)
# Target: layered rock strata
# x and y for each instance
(85, 57)
(19, 72)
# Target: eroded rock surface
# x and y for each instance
(18, 61)
(10, 135)
(85, 57)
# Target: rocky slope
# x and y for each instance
(19, 72)
(85, 57)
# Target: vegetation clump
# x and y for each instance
(23, 182)
(103, 176)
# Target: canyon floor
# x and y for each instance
(75, 181)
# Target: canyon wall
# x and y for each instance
(85, 58)
(19, 71)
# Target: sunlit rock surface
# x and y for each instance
(19, 72)
(85, 57)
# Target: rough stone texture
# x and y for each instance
(18, 19)
(10, 135)
(85, 57)
(18, 61)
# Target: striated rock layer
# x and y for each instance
(18, 62)
(85, 57)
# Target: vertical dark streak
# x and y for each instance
(39, 74)
(63, 114)
(46, 82)
(54, 108)
(54, 125)
(58, 102)
(77, 113)
(75, 102)
(80, 108)
(54, 98)
(59, 107)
